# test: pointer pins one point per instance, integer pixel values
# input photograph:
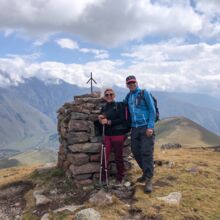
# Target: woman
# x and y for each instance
(112, 117)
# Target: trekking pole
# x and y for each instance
(101, 163)
(103, 159)
(106, 165)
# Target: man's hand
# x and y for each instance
(149, 132)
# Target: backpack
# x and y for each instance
(140, 97)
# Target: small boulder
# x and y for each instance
(193, 170)
(101, 198)
(46, 217)
(71, 208)
(88, 214)
(172, 199)
(40, 199)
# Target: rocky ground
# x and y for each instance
(186, 187)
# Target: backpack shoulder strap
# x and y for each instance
(142, 95)
(127, 98)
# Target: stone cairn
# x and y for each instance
(81, 139)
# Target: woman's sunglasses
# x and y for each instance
(109, 94)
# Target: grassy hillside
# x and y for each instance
(185, 132)
(29, 158)
(200, 190)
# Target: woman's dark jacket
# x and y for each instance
(114, 112)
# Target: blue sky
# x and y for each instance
(168, 45)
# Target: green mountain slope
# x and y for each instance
(185, 132)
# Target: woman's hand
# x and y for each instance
(104, 121)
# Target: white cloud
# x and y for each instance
(170, 66)
(176, 66)
(105, 22)
(73, 45)
(67, 43)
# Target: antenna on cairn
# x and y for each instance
(91, 80)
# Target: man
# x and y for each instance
(142, 111)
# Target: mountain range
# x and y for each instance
(28, 111)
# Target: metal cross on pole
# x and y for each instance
(91, 80)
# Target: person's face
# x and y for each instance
(132, 86)
(109, 96)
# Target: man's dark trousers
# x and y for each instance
(142, 148)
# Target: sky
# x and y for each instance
(168, 45)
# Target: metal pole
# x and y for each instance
(91, 83)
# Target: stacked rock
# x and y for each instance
(81, 140)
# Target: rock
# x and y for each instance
(71, 208)
(77, 137)
(85, 182)
(91, 167)
(97, 111)
(93, 117)
(53, 192)
(40, 199)
(89, 106)
(171, 164)
(18, 217)
(93, 95)
(127, 141)
(95, 157)
(78, 125)
(172, 199)
(170, 146)
(62, 149)
(86, 147)
(80, 109)
(96, 139)
(126, 151)
(88, 188)
(127, 184)
(78, 158)
(78, 115)
(63, 132)
(193, 170)
(88, 214)
(87, 100)
(66, 165)
(101, 198)
(46, 217)
(83, 176)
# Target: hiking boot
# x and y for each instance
(148, 186)
(141, 179)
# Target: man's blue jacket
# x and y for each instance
(143, 113)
